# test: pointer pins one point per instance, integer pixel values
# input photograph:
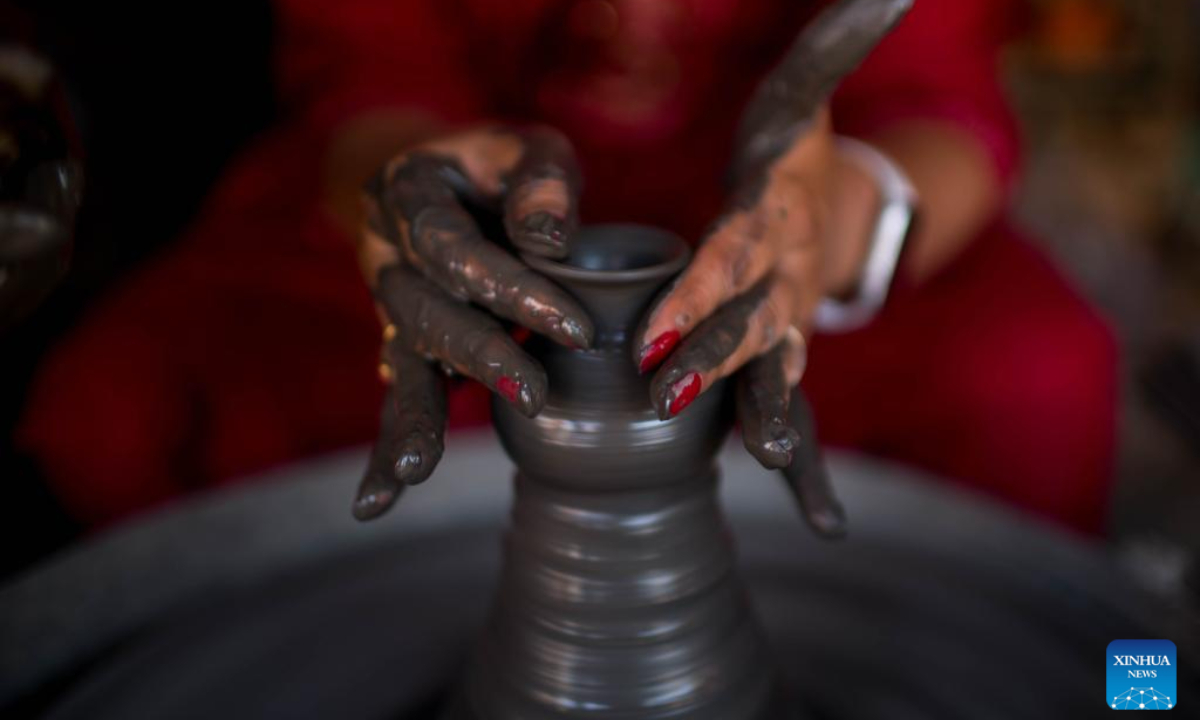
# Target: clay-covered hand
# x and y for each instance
(443, 287)
(778, 430)
(755, 282)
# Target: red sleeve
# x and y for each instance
(942, 62)
(338, 59)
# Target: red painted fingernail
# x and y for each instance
(520, 334)
(654, 353)
(509, 388)
(684, 392)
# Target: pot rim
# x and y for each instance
(678, 251)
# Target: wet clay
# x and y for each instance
(763, 396)
(443, 264)
(786, 101)
(542, 203)
(808, 475)
(431, 323)
(618, 592)
(412, 422)
(420, 212)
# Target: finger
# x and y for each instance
(772, 219)
(724, 266)
(746, 327)
(480, 160)
(541, 210)
(409, 446)
(827, 50)
(430, 323)
(765, 387)
(808, 477)
(418, 208)
(379, 489)
(419, 396)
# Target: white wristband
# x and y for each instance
(898, 200)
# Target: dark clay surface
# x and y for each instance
(452, 282)
(444, 242)
(882, 628)
(618, 596)
(435, 325)
(419, 206)
(763, 398)
(267, 600)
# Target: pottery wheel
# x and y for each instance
(267, 600)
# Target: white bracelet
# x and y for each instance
(898, 201)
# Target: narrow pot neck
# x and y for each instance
(615, 271)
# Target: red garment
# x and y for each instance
(253, 341)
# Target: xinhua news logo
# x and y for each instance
(1141, 675)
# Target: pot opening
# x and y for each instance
(618, 253)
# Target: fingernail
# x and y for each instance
(529, 405)
(544, 228)
(785, 440)
(684, 392)
(578, 337)
(782, 446)
(778, 449)
(372, 504)
(521, 395)
(509, 388)
(408, 468)
(653, 353)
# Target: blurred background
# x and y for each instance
(1107, 92)
(1107, 95)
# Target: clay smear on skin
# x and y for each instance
(709, 346)
(541, 195)
(470, 341)
(443, 241)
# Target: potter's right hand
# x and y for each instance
(441, 285)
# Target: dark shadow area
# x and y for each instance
(164, 95)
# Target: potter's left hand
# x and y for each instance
(751, 291)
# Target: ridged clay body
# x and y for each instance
(618, 596)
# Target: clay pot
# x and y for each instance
(618, 596)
